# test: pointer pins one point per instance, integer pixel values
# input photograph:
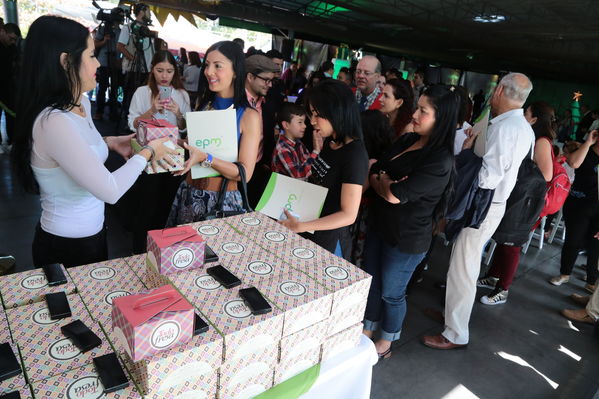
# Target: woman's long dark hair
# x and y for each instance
(378, 133)
(402, 90)
(334, 101)
(44, 83)
(233, 52)
(544, 126)
(164, 56)
(446, 102)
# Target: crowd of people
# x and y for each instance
(395, 156)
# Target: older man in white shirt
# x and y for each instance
(509, 140)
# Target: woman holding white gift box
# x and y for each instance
(59, 153)
(148, 103)
(222, 85)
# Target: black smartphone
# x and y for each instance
(255, 301)
(81, 336)
(9, 365)
(199, 325)
(223, 276)
(209, 255)
(110, 372)
(11, 395)
(54, 274)
(58, 305)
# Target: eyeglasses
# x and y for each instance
(365, 73)
(267, 81)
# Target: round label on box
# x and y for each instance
(233, 247)
(292, 288)
(34, 282)
(63, 350)
(207, 282)
(251, 221)
(115, 294)
(336, 272)
(88, 387)
(303, 253)
(183, 258)
(102, 273)
(259, 267)
(165, 334)
(275, 236)
(42, 317)
(208, 230)
(237, 309)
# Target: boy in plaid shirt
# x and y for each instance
(291, 157)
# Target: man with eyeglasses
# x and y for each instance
(368, 94)
(260, 74)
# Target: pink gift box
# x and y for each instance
(80, 383)
(137, 263)
(296, 344)
(342, 341)
(17, 382)
(102, 276)
(29, 287)
(148, 323)
(294, 366)
(249, 376)
(304, 301)
(169, 371)
(244, 333)
(48, 352)
(4, 330)
(31, 320)
(152, 129)
(256, 266)
(175, 250)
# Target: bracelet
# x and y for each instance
(149, 148)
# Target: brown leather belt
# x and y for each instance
(210, 183)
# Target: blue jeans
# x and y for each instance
(391, 271)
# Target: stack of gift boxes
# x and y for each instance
(50, 364)
(148, 306)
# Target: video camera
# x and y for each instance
(111, 16)
(140, 30)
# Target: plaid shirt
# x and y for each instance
(292, 158)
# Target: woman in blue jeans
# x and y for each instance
(413, 182)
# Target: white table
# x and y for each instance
(347, 375)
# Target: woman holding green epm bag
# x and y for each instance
(222, 85)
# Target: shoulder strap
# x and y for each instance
(243, 187)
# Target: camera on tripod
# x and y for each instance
(140, 30)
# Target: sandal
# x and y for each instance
(385, 355)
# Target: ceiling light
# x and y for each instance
(489, 18)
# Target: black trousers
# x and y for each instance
(48, 248)
(103, 84)
(581, 217)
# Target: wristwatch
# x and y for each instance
(207, 163)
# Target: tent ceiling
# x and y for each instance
(552, 38)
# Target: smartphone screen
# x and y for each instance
(58, 305)
(54, 274)
(223, 276)
(9, 365)
(110, 372)
(210, 255)
(165, 92)
(255, 301)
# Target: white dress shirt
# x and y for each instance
(460, 137)
(509, 139)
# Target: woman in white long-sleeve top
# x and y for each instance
(59, 153)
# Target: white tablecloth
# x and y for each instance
(347, 375)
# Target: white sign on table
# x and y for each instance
(214, 132)
(304, 200)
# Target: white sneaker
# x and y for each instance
(497, 297)
(559, 280)
(487, 282)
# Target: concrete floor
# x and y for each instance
(520, 349)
